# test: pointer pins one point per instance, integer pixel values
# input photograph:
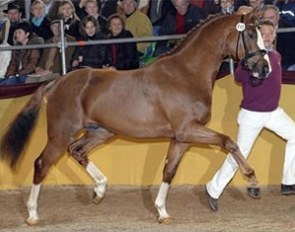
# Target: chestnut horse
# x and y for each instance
(170, 98)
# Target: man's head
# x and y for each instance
(128, 6)
(23, 32)
(181, 6)
(14, 12)
(256, 4)
(272, 13)
(91, 7)
(268, 33)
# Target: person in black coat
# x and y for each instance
(180, 21)
(93, 56)
(121, 56)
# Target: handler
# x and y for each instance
(259, 109)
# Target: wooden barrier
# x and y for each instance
(141, 162)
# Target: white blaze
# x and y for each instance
(260, 44)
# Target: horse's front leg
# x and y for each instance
(175, 153)
(79, 149)
(200, 134)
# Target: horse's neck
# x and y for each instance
(204, 54)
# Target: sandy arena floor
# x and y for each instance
(125, 208)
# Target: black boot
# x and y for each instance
(287, 189)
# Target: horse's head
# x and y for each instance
(247, 45)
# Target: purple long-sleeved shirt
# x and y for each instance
(264, 97)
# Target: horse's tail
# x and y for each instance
(18, 133)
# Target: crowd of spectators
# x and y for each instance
(86, 20)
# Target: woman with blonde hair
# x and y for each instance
(67, 11)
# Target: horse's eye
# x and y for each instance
(252, 34)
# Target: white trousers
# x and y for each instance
(250, 125)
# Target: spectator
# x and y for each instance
(92, 8)
(71, 20)
(122, 55)
(23, 62)
(259, 109)
(48, 5)
(157, 11)
(39, 20)
(80, 8)
(284, 16)
(108, 7)
(180, 21)
(137, 23)
(14, 15)
(287, 12)
(256, 4)
(5, 56)
(50, 61)
(90, 55)
(219, 6)
(53, 10)
(271, 12)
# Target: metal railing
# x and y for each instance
(63, 44)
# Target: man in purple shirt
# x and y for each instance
(259, 109)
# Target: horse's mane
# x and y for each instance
(190, 34)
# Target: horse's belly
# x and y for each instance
(129, 123)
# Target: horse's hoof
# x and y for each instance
(32, 221)
(165, 220)
(212, 202)
(96, 199)
(254, 192)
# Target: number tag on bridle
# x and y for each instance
(241, 27)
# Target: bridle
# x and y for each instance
(241, 27)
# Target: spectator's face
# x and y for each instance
(255, 3)
(90, 29)
(181, 6)
(14, 15)
(128, 6)
(38, 10)
(55, 28)
(91, 8)
(226, 4)
(21, 36)
(67, 11)
(268, 35)
(272, 16)
(115, 26)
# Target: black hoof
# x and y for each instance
(253, 192)
(212, 202)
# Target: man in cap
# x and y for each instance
(14, 15)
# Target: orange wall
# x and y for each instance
(141, 163)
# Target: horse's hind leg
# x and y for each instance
(175, 153)
(50, 154)
(79, 149)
